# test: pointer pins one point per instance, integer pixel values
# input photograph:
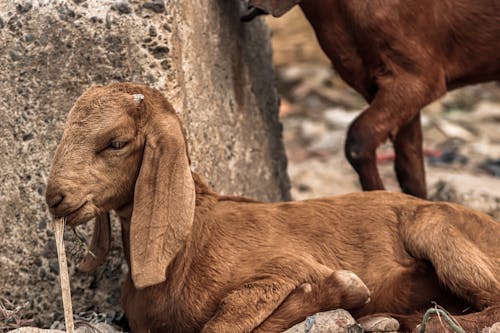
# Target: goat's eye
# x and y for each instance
(117, 144)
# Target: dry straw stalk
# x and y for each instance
(64, 276)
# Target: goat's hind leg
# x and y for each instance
(460, 264)
(409, 162)
(393, 113)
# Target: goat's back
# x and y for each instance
(365, 39)
(358, 231)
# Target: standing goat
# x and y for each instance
(201, 262)
(400, 56)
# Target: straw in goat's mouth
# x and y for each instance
(63, 273)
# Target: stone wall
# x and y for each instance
(216, 72)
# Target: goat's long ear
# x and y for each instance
(274, 7)
(164, 201)
(99, 246)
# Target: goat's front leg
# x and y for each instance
(390, 115)
(341, 289)
(285, 283)
(274, 304)
(246, 307)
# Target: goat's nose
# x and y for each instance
(54, 199)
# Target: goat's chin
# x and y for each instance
(80, 216)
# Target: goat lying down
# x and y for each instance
(202, 262)
(400, 56)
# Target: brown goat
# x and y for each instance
(400, 56)
(201, 262)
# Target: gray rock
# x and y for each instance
(336, 321)
(216, 72)
(380, 324)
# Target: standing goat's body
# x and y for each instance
(401, 56)
(203, 262)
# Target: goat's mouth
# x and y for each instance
(78, 216)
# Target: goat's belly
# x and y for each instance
(404, 290)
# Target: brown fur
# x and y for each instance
(240, 265)
(401, 56)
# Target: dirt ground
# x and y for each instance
(461, 130)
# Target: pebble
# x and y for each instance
(24, 6)
(54, 266)
(123, 8)
(43, 223)
(37, 261)
(29, 37)
(15, 56)
(160, 52)
(66, 14)
(50, 250)
(28, 137)
(152, 31)
(158, 6)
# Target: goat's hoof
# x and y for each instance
(351, 281)
(379, 324)
(356, 292)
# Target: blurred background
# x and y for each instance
(461, 130)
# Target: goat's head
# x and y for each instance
(122, 147)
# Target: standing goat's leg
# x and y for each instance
(341, 289)
(396, 103)
(360, 150)
(409, 164)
